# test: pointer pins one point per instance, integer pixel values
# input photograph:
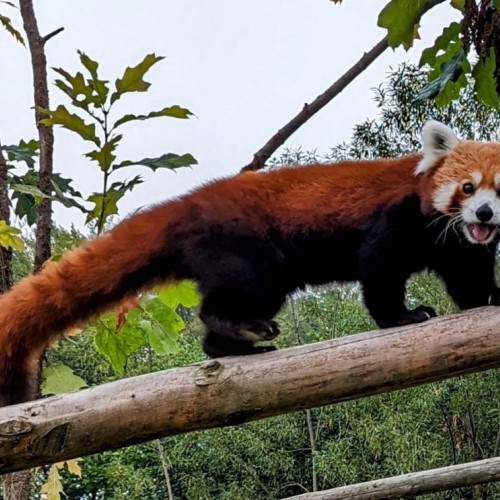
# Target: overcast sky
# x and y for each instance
(243, 68)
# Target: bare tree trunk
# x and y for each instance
(6, 279)
(321, 101)
(37, 49)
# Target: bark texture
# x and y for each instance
(36, 45)
(415, 483)
(234, 390)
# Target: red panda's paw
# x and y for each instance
(258, 330)
(417, 315)
(216, 345)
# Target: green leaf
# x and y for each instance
(401, 19)
(31, 190)
(59, 378)
(160, 341)
(52, 489)
(99, 86)
(484, 80)
(108, 204)
(104, 156)
(172, 111)
(25, 152)
(496, 3)
(132, 79)
(460, 4)
(442, 43)
(61, 116)
(65, 194)
(169, 160)
(7, 24)
(80, 92)
(185, 292)
(451, 92)
(117, 346)
(450, 71)
(9, 237)
(26, 204)
(25, 207)
(165, 326)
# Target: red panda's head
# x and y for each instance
(462, 180)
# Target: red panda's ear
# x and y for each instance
(438, 141)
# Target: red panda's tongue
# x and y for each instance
(480, 232)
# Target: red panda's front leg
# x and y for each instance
(384, 297)
(469, 275)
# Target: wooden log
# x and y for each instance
(233, 390)
(415, 483)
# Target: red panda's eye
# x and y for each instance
(468, 188)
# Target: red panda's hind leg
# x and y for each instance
(244, 283)
(233, 337)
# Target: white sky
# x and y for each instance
(243, 68)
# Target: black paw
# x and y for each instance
(258, 330)
(428, 311)
(257, 349)
(216, 345)
(418, 315)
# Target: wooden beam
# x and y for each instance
(233, 390)
(415, 483)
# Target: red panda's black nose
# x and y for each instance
(484, 213)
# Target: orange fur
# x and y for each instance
(94, 278)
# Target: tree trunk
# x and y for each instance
(6, 279)
(36, 45)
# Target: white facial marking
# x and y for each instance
(476, 177)
(443, 196)
(437, 140)
(478, 199)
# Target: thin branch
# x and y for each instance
(312, 441)
(321, 101)
(52, 34)
(449, 430)
(161, 452)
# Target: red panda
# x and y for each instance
(250, 240)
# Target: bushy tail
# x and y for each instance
(87, 281)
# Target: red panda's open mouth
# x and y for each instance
(479, 232)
